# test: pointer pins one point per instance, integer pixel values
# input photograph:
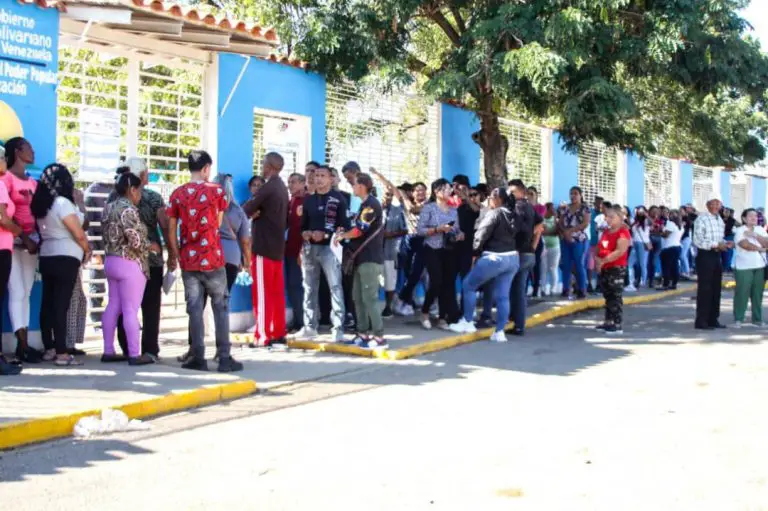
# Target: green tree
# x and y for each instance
(645, 74)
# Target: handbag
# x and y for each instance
(348, 266)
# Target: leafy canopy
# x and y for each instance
(680, 77)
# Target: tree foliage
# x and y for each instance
(674, 76)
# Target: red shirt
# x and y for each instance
(294, 241)
(608, 242)
(197, 206)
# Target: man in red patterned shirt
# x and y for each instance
(199, 206)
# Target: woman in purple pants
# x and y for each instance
(126, 246)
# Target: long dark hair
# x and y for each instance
(56, 181)
(581, 194)
(507, 200)
(14, 144)
(638, 215)
(126, 181)
(437, 184)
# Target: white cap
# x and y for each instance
(713, 196)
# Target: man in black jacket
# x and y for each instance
(529, 229)
(324, 213)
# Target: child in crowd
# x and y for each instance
(611, 263)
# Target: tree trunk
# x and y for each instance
(493, 144)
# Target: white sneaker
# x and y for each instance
(337, 336)
(462, 326)
(405, 310)
(737, 324)
(547, 290)
(443, 325)
(630, 289)
(499, 336)
(305, 334)
(426, 324)
(434, 311)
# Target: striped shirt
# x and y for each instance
(708, 231)
(433, 216)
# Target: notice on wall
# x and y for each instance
(288, 138)
(27, 54)
(99, 142)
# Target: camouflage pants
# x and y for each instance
(612, 285)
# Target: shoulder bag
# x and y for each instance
(348, 267)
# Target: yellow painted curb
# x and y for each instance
(31, 431)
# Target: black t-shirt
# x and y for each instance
(525, 220)
(368, 220)
(467, 220)
(325, 213)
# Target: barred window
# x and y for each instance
(658, 182)
(598, 166)
(524, 153)
(703, 186)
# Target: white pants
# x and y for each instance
(20, 287)
(550, 267)
(389, 276)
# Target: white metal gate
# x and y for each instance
(158, 106)
(703, 186)
(524, 154)
(286, 134)
(598, 166)
(740, 193)
(658, 182)
(397, 135)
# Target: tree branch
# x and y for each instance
(438, 17)
(459, 20)
(416, 65)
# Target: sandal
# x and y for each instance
(69, 361)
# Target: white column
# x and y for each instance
(547, 165)
(210, 127)
(621, 176)
(675, 185)
(132, 129)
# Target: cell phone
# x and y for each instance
(452, 223)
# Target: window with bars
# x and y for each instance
(524, 153)
(658, 182)
(397, 135)
(284, 134)
(598, 166)
(166, 125)
(740, 194)
(703, 186)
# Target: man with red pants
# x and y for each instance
(268, 210)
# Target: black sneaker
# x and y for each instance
(518, 332)
(229, 365)
(8, 369)
(580, 295)
(195, 364)
(29, 355)
(613, 330)
(272, 342)
(141, 360)
(186, 357)
(484, 323)
(114, 358)
(601, 327)
(387, 313)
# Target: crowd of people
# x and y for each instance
(331, 253)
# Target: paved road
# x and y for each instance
(663, 418)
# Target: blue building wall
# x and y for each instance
(269, 86)
(635, 180)
(686, 184)
(758, 192)
(725, 187)
(565, 170)
(459, 154)
(30, 100)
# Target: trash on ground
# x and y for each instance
(110, 421)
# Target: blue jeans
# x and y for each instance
(294, 287)
(654, 259)
(517, 294)
(317, 258)
(198, 284)
(414, 265)
(685, 256)
(494, 272)
(572, 254)
(638, 258)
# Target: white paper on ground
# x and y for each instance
(336, 249)
(168, 281)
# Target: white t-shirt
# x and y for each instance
(600, 224)
(675, 233)
(641, 234)
(56, 238)
(747, 259)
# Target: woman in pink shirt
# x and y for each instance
(20, 188)
(8, 231)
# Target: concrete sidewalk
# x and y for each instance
(44, 401)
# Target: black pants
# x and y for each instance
(59, 275)
(441, 266)
(463, 265)
(535, 275)
(709, 268)
(150, 315)
(670, 266)
(612, 285)
(347, 283)
(232, 272)
(5, 273)
(413, 269)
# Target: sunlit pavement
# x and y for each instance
(665, 417)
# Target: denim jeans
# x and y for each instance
(517, 295)
(316, 259)
(295, 290)
(685, 256)
(197, 284)
(494, 272)
(654, 259)
(572, 255)
(638, 258)
(413, 266)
